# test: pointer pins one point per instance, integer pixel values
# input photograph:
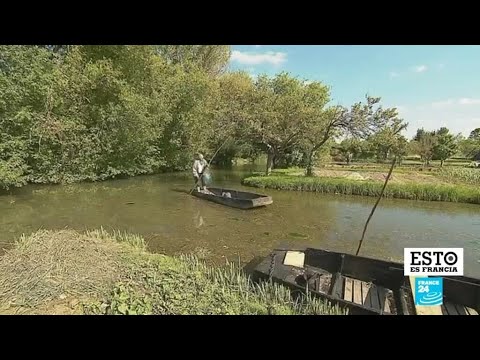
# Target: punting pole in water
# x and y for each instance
(375, 206)
(208, 165)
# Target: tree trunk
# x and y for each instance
(270, 159)
(349, 158)
(385, 155)
(310, 163)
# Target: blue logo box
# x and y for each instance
(429, 291)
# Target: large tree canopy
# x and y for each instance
(92, 112)
(213, 59)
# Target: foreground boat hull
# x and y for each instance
(363, 285)
(237, 199)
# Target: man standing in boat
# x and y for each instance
(199, 167)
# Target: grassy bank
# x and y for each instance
(425, 191)
(66, 272)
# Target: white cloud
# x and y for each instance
(394, 74)
(460, 115)
(257, 46)
(442, 103)
(420, 68)
(450, 102)
(469, 101)
(248, 58)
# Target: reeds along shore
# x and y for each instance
(427, 192)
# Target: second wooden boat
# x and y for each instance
(363, 285)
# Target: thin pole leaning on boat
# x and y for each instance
(208, 165)
(376, 203)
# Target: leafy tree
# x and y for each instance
(25, 79)
(423, 144)
(386, 135)
(420, 133)
(279, 116)
(100, 112)
(322, 124)
(231, 116)
(445, 145)
(362, 120)
(475, 134)
(401, 148)
(469, 148)
(349, 148)
(213, 59)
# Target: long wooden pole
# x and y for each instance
(375, 206)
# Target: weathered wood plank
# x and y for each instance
(318, 282)
(382, 296)
(337, 286)
(357, 292)
(471, 311)
(348, 294)
(365, 291)
(386, 305)
(461, 309)
(374, 297)
(452, 310)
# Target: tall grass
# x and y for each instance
(111, 273)
(465, 175)
(428, 192)
(122, 237)
(256, 298)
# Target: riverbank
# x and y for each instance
(356, 184)
(66, 272)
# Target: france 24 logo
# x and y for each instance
(433, 261)
(428, 291)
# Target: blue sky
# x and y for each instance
(432, 86)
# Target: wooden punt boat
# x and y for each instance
(363, 285)
(236, 199)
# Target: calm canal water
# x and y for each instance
(174, 222)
